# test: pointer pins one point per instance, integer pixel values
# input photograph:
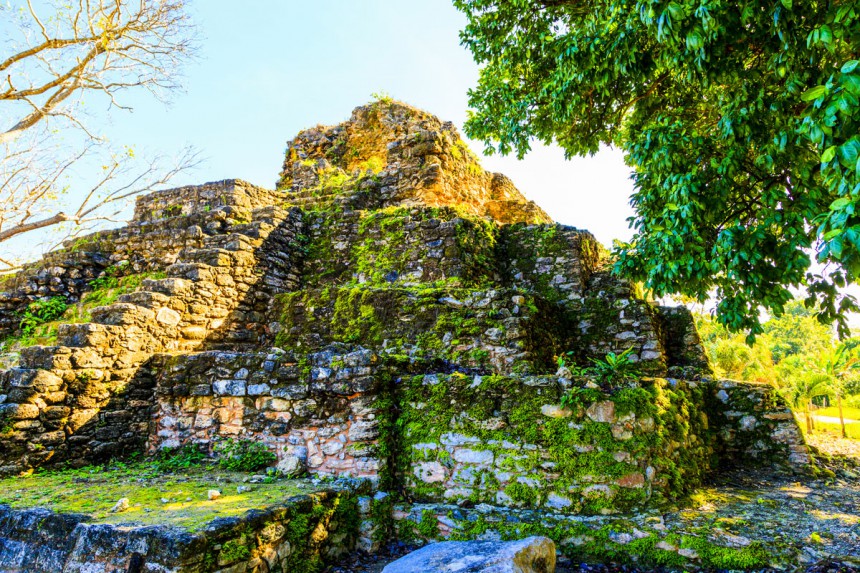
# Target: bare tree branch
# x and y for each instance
(62, 56)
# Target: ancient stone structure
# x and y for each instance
(390, 312)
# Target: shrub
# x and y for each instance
(176, 459)
(244, 455)
(110, 276)
(42, 311)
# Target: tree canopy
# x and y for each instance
(740, 121)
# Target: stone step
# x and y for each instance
(146, 299)
(122, 314)
(30, 379)
(230, 242)
(191, 271)
(173, 286)
(253, 230)
(88, 334)
(212, 256)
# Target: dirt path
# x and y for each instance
(832, 420)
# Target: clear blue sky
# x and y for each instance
(268, 69)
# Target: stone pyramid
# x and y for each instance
(391, 311)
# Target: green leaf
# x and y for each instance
(828, 154)
(786, 4)
(814, 93)
(849, 66)
(840, 203)
(671, 206)
(849, 153)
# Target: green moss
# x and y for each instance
(95, 490)
(233, 551)
(524, 494)
(666, 433)
(595, 543)
(429, 525)
(733, 558)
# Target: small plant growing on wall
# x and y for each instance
(611, 371)
(243, 455)
(614, 369)
(180, 458)
(110, 276)
(171, 211)
(42, 311)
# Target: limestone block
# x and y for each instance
(168, 317)
(603, 411)
(429, 472)
(530, 555)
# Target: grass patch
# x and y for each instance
(833, 411)
(155, 497)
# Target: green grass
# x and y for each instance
(95, 490)
(852, 430)
(849, 413)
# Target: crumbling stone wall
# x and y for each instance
(377, 242)
(753, 426)
(320, 409)
(489, 330)
(164, 223)
(418, 159)
(685, 355)
(554, 260)
(400, 246)
(508, 441)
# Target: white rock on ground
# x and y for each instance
(121, 505)
(530, 555)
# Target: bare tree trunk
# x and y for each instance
(809, 426)
(841, 417)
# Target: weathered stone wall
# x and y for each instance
(553, 260)
(754, 426)
(320, 409)
(685, 355)
(68, 391)
(417, 158)
(612, 317)
(303, 533)
(165, 223)
(367, 320)
(490, 330)
(234, 197)
(400, 246)
(507, 441)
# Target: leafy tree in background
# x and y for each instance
(739, 119)
(838, 365)
(795, 353)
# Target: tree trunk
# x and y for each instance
(841, 417)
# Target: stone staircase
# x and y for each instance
(64, 401)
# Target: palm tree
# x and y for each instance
(837, 365)
(803, 389)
